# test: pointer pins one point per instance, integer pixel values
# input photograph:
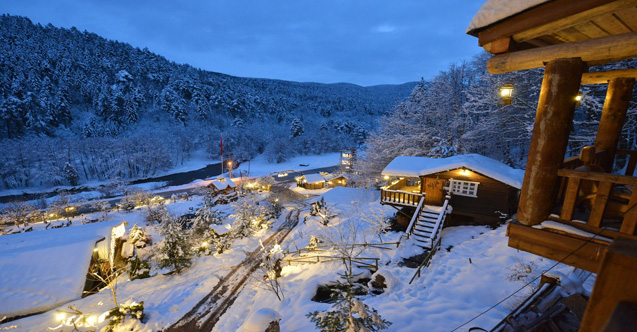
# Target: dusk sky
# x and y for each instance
(363, 42)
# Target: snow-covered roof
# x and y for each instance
(223, 183)
(42, 269)
(421, 166)
(314, 178)
(332, 177)
(493, 11)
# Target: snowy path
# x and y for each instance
(207, 312)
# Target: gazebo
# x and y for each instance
(574, 210)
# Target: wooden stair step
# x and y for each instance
(420, 236)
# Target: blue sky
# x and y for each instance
(366, 42)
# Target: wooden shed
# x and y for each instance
(223, 185)
(337, 181)
(311, 181)
(481, 189)
(567, 38)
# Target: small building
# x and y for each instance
(337, 181)
(348, 157)
(42, 270)
(480, 190)
(223, 185)
(311, 181)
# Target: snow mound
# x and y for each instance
(496, 10)
(41, 270)
(259, 320)
(421, 166)
(392, 282)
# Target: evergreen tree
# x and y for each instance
(174, 251)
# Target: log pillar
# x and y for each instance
(615, 284)
(613, 115)
(553, 120)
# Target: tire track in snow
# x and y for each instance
(207, 312)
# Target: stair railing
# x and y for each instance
(440, 220)
(414, 218)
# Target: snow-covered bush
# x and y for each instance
(138, 268)
(321, 209)
(379, 222)
(204, 218)
(174, 250)
(157, 214)
(138, 237)
(15, 213)
(249, 216)
(215, 243)
(348, 314)
(123, 314)
(134, 198)
(269, 270)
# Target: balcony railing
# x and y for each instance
(607, 197)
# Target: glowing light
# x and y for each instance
(60, 316)
(91, 320)
(506, 93)
(52, 215)
(578, 98)
(465, 171)
(386, 177)
(204, 244)
(95, 249)
(276, 199)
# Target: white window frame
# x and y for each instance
(463, 188)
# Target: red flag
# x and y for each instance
(221, 146)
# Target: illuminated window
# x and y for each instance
(464, 188)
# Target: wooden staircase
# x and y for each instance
(426, 223)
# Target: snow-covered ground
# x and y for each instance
(473, 270)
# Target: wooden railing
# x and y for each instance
(399, 197)
(414, 218)
(595, 190)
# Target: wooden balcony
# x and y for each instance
(587, 204)
(399, 193)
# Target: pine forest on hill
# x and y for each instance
(76, 107)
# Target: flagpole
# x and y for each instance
(221, 148)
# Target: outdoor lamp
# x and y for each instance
(578, 98)
(506, 92)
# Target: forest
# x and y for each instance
(75, 107)
(459, 112)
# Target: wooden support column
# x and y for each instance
(553, 121)
(615, 283)
(613, 115)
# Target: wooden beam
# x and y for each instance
(538, 16)
(593, 52)
(603, 77)
(502, 45)
(616, 105)
(629, 224)
(572, 20)
(595, 176)
(558, 247)
(553, 120)
(615, 283)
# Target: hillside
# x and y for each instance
(65, 94)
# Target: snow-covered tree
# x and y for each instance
(174, 251)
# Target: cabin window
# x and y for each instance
(464, 188)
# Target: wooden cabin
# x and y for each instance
(337, 181)
(574, 210)
(311, 181)
(223, 185)
(481, 189)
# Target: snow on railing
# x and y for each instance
(441, 217)
(400, 197)
(415, 217)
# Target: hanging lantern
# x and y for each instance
(578, 98)
(506, 93)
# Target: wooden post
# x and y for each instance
(613, 115)
(553, 121)
(615, 283)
